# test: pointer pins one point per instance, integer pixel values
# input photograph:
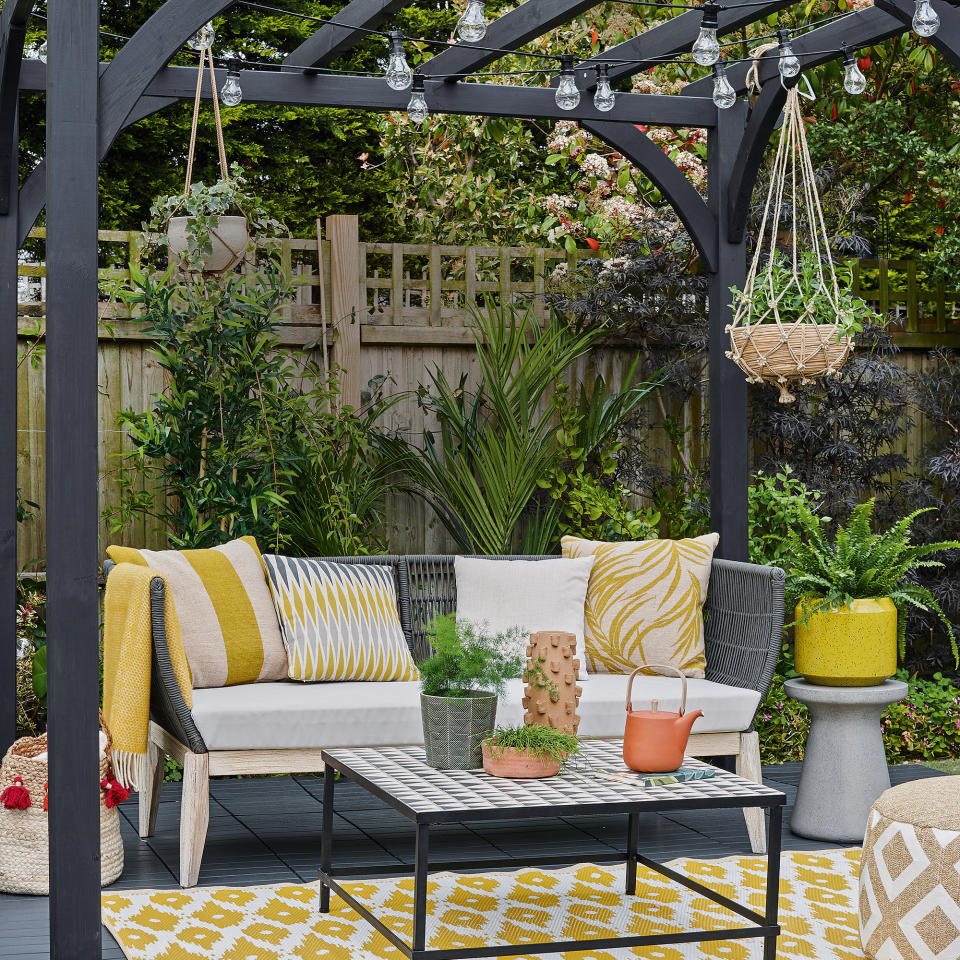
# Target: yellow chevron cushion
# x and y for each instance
(645, 602)
(227, 621)
(339, 620)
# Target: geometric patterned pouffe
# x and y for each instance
(910, 873)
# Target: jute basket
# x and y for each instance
(24, 834)
(802, 352)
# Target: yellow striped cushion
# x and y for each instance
(229, 627)
(339, 620)
(645, 602)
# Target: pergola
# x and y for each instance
(89, 103)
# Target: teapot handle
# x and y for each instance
(658, 666)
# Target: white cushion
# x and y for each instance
(531, 594)
(379, 713)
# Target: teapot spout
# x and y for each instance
(686, 721)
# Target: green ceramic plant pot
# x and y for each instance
(455, 727)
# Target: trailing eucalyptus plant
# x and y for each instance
(859, 564)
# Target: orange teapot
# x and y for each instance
(654, 740)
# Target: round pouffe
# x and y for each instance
(844, 763)
(910, 872)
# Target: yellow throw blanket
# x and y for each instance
(127, 648)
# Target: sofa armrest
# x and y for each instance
(167, 706)
(743, 624)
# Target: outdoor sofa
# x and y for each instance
(272, 728)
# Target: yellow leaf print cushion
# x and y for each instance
(339, 621)
(645, 602)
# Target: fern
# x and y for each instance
(860, 564)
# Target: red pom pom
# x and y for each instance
(114, 793)
(16, 796)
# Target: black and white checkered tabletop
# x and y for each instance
(401, 775)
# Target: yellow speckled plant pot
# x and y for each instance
(853, 646)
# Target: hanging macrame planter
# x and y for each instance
(788, 322)
(229, 235)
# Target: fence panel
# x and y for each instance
(379, 309)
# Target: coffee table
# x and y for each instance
(401, 778)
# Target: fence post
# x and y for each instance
(343, 233)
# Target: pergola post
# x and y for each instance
(729, 449)
(9, 248)
(72, 503)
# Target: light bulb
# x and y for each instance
(854, 81)
(399, 74)
(789, 64)
(567, 96)
(204, 38)
(706, 49)
(417, 109)
(231, 93)
(472, 25)
(604, 97)
(724, 96)
(926, 22)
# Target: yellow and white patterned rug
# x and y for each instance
(818, 913)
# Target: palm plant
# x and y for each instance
(483, 469)
(480, 473)
(861, 564)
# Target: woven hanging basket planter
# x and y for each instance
(230, 238)
(25, 834)
(769, 341)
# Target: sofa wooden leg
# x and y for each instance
(149, 795)
(748, 766)
(194, 815)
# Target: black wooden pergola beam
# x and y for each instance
(676, 36)
(87, 106)
(342, 33)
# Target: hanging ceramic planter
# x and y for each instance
(223, 239)
(792, 321)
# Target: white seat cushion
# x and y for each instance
(387, 713)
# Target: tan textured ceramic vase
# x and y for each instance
(854, 646)
(555, 651)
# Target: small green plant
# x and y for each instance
(467, 658)
(203, 206)
(860, 564)
(804, 296)
(538, 741)
(776, 502)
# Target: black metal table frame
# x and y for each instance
(765, 925)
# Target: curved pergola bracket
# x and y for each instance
(13, 32)
(644, 154)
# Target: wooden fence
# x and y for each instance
(384, 309)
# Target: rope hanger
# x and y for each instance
(764, 344)
(206, 58)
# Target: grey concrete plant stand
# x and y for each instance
(844, 766)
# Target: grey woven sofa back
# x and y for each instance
(743, 626)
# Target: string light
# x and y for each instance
(706, 48)
(417, 109)
(204, 38)
(399, 74)
(854, 82)
(568, 95)
(789, 64)
(724, 96)
(925, 22)
(604, 97)
(231, 93)
(472, 25)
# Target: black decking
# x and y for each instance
(267, 830)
